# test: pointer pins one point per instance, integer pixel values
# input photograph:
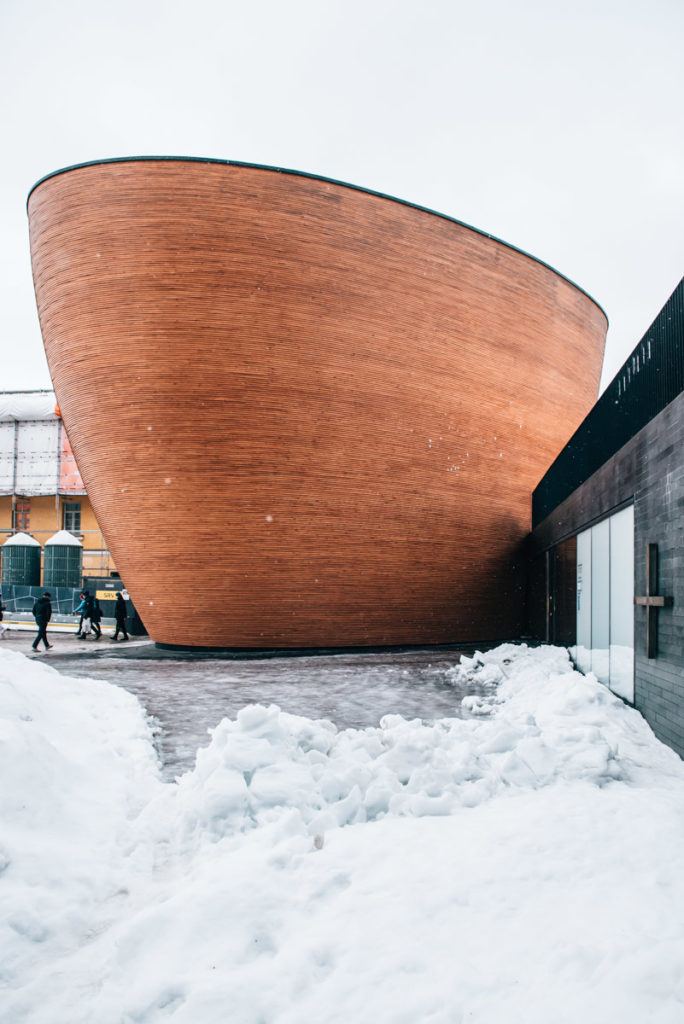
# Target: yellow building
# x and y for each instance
(41, 490)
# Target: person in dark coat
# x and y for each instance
(42, 613)
(95, 616)
(120, 616)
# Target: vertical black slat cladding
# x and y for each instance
(642, 388)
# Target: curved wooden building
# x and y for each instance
(307, 415)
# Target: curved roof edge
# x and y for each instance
(316, 177)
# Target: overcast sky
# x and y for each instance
(557, 127)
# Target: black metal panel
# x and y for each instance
(21, 564)
(106, 588)
(62, 565)
(650, 379)
(19, 599)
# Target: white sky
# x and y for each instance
(556, 127)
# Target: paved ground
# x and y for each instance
(20, 637)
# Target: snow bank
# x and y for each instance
(522, 865)
(76, 763)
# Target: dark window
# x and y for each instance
(21, 515)
(72, 516)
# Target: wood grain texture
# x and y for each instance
(305, 415)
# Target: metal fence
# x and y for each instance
(651, 378)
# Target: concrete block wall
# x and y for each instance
(659, 519)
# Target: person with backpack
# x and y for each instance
(42, 613)
(94, 613)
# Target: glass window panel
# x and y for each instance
(622, 603)
(582, 651)
(72, 516)
(600, 600)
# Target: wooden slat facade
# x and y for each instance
(305, 415)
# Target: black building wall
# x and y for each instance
(648, 471)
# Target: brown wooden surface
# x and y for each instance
(305, 415)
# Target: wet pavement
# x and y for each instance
(186, 696)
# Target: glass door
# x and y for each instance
(622, 603)
(605, 602)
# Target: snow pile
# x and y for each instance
(22, 540)
(76, 763)
(267, 761)
(556, 723)
(524, 865)
(63, 539)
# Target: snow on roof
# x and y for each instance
(28, 405)
(22, 539)
(65, 539)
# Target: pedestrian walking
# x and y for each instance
(3, 627)
(95, 617)
(80, 610)
(42, 613)
(88, 609)
(120, 616)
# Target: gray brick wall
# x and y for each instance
(648, 470)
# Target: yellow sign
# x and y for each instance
(106, 595)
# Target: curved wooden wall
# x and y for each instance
(306, 415)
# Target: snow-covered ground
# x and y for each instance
(525, 864)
